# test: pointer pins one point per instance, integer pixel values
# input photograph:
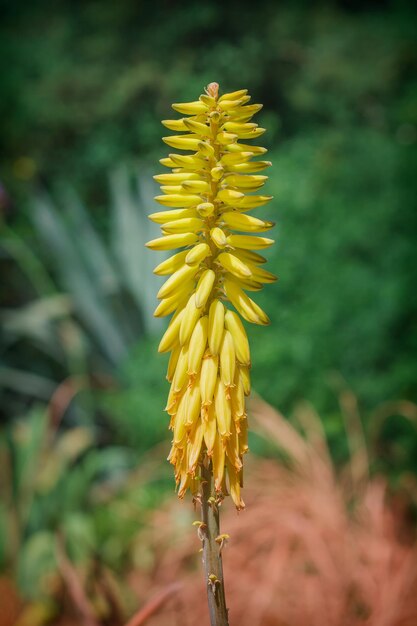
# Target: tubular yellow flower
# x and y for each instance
(208, 195)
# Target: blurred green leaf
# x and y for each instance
(37, 562)
(79, 535)
(87, 297)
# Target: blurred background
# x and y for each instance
(90, 529)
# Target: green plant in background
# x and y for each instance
(110, 296)
(69, 516)
(321, 66)
(340, 88)
(90, 305)
(83, 87)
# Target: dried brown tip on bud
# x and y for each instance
(213, 90)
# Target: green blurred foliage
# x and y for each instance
(347, 262)
(85, 85)
(136, 411)
(61, 493)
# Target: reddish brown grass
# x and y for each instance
(310, 549)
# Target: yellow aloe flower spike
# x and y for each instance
(205, 223)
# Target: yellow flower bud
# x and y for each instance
(240, 339)
(197, 347)
(197, 254)
(208, 378)
(204, 288)
(216, 326)
(210, 430)
(234, 265)
(171, 265)
(227, 361)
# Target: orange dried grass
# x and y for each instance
(297, 557)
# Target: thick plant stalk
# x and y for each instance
(212, 551)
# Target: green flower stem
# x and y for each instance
(212, 558)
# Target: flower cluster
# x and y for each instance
(208, 196)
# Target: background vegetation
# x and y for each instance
(84, 87)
